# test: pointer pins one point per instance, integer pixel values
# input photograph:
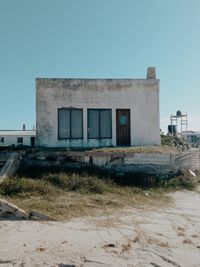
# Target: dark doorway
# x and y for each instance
(123, 127)
(32, 141)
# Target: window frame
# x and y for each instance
(70, 124)
(18, 140)
(99, 110)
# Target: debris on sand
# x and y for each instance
(9, 210)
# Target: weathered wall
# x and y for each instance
(126, 163)
(140, 95)
(195, 159)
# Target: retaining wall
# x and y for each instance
(118, 162)
(195, 159)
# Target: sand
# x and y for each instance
(145, 236)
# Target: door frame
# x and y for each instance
(129, 117)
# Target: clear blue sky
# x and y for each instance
(99, 39)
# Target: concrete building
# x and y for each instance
(97, 112)
(192, 137)
(17, 138)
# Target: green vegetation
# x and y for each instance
(26, 187)
(67, 195)
(81, 183)
(174, 141)
(181, 181)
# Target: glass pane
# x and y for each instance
(93, 123)
(64, 123)
(20, 140)
(105, 124)
(123, 120)
(76, 124)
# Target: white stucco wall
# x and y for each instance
(10, 137)
(141, 96)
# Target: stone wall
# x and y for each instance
(195, 159)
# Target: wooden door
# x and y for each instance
(123, 127)
(32, 141)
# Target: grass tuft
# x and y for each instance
(181, 181)
(83, 183)
(26, 187)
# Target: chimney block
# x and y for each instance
(151, 73)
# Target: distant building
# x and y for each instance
(192, 137)
(97, 112)
(17, 138)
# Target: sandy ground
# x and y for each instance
(167, 237)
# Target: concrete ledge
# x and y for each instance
(9, 210)
(10, 167)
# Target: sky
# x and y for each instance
(99, 39)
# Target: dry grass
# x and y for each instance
(64, 196)
(72, 204)
(164, 149)
(126, 247)
(68, 195)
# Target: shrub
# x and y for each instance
(80, 183)
(16, 186)
(182, 181)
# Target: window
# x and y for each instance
(70, 123)
(99, 123)
(123, 120)
(194, 138)
(1, 139)
(20, 140)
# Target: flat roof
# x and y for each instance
(48, 79)
(17, 132)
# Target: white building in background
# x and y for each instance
(97, 112)
(192, 137)
(17, 138)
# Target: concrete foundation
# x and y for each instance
(126, 163)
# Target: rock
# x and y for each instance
(9, 210)
(39, 215)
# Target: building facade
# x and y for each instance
(17, 138)
(97, 112)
